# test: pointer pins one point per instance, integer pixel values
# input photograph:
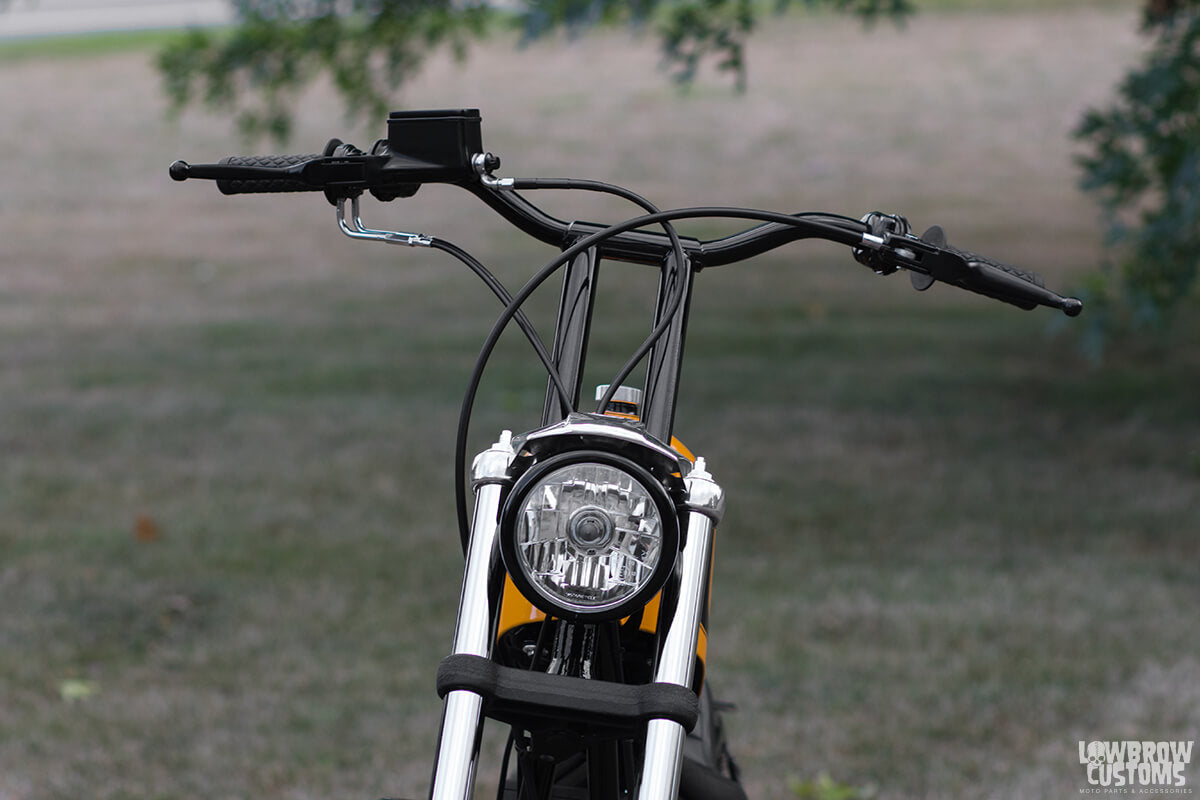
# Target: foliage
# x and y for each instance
(279, 46)
(1143, 163)
(826, 788)
(1142, 156)
(370, 47)
(691, 31)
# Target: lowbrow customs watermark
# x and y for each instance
(1143, 767)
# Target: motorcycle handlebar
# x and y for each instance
(344, 171)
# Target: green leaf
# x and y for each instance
(1143, 165)
(257, 71)
(74, 690)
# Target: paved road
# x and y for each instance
(49, 17)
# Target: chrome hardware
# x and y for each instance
(881, 223)
(353, 227)
(704, 496)
(462, 720)
(623, 394)
(454, 770)
(664, 738)
(484, 164)
(491, 466)
(883, 229)
(609, 433)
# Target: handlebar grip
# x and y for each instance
(990, 264)
(967, 270)
(1019, 287)
(265, 185)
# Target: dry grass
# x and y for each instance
(952, 550)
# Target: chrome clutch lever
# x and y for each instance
(353, 227)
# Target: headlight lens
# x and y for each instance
(592, 537)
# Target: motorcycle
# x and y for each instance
(582, 622)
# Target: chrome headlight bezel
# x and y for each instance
(558, 605)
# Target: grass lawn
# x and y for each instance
(228, 566)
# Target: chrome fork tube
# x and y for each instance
(458, 744)
(664, 738)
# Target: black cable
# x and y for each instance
(641, 352)
(830, 216)
(669, 313)
(587, 186)
(523, 322)
(460, 452)
(508, 748)
(677, 264)
(819, 229)
(656, 334)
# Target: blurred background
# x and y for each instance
(955, 546)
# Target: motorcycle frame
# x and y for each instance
(484, 574)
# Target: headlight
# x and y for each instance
(589, 535)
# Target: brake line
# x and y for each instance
(498, 289)
(829, 231)
(513, 309)
(676, 264)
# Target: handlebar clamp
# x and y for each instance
(882, 227)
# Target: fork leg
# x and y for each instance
(462, 719)
(664, 738)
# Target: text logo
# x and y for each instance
(1120, 767)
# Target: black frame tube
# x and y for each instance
(666, 358)
(571, 333)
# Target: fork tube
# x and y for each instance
(664, 738)
(458, 744)
(676, 663)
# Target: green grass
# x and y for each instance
(953, 547)
(82, 46)
(966, 548)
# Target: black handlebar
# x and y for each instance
(444, 147)
(344, 176)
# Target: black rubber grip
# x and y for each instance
(967, 270)
(1018, 287)
(266, 186)
(1016, 272)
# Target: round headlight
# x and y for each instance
(589, 535)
